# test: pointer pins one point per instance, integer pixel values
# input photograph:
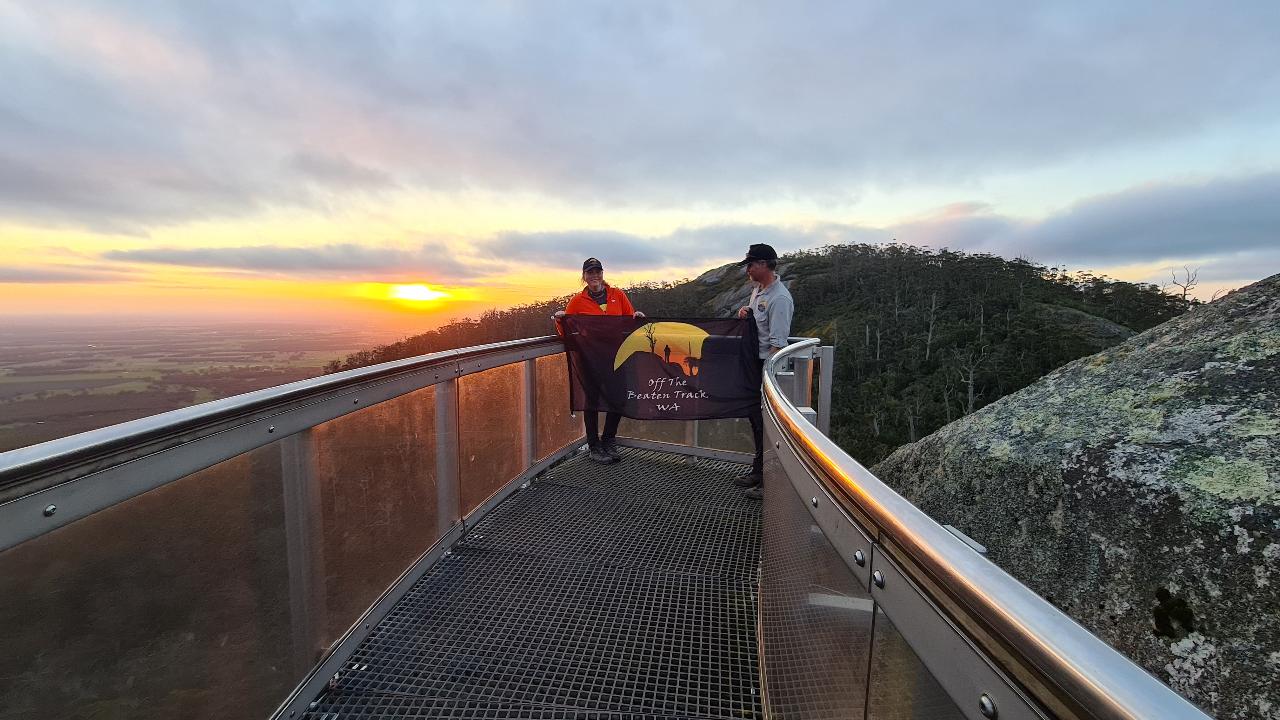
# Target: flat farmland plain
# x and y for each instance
(62, 380)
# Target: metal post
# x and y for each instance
(447, 496)
(787, 384)
(691, 433)
(826, 368)
(529, 413)
(803, 367)
(303, 528)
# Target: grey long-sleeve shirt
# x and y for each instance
(772, 308)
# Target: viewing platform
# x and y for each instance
(425, 538)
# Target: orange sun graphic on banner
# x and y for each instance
(674, 342)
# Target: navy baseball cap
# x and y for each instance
(759, 252)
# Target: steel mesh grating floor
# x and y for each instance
(626, 591)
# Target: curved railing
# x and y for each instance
(906, 595)
(219, 556)
(214, 557)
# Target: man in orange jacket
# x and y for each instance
(599, 298)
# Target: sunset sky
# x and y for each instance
(286, 160)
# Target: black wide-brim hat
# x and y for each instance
(759, 252)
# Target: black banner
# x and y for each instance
(662, 369)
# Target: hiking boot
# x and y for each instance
(755, 493)
(610, 448)
(598, 455)
(755, 478)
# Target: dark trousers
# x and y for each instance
(756, 418)
(591, 420)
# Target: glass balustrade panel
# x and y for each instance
(815, 618)
(727, 434)
(175, 603)
(902, 688)
(489, 442)
(668, 431)
(213, 595)
(370, 504)
(558, 425)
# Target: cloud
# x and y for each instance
(431, 261)
(1166, 221)
(110, 198)
(1231, 224)
(1229, 227)
(49, 275)
(1154, 222)
(1230, 268)
(683, 248)
(153, 113)
(338, 171)
(1214, 221)
(569, 248)
(474, 261)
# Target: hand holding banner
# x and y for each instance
(662, 369)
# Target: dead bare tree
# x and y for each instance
(1188, 282)
(912, 410)
(967, 363)
(933, 315)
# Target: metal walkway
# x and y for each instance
(286, 549)
(595, 592)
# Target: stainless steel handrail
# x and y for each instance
(1096, 680)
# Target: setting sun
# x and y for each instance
(419, 293)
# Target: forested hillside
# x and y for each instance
(922, 336)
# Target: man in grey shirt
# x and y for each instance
(771, 306)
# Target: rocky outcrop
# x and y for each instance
(714, 275)
(1085, 327)
(1138, 489)
(734, 287)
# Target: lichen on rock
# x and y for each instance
(1139, 490)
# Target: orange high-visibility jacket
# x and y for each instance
(616, 303)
